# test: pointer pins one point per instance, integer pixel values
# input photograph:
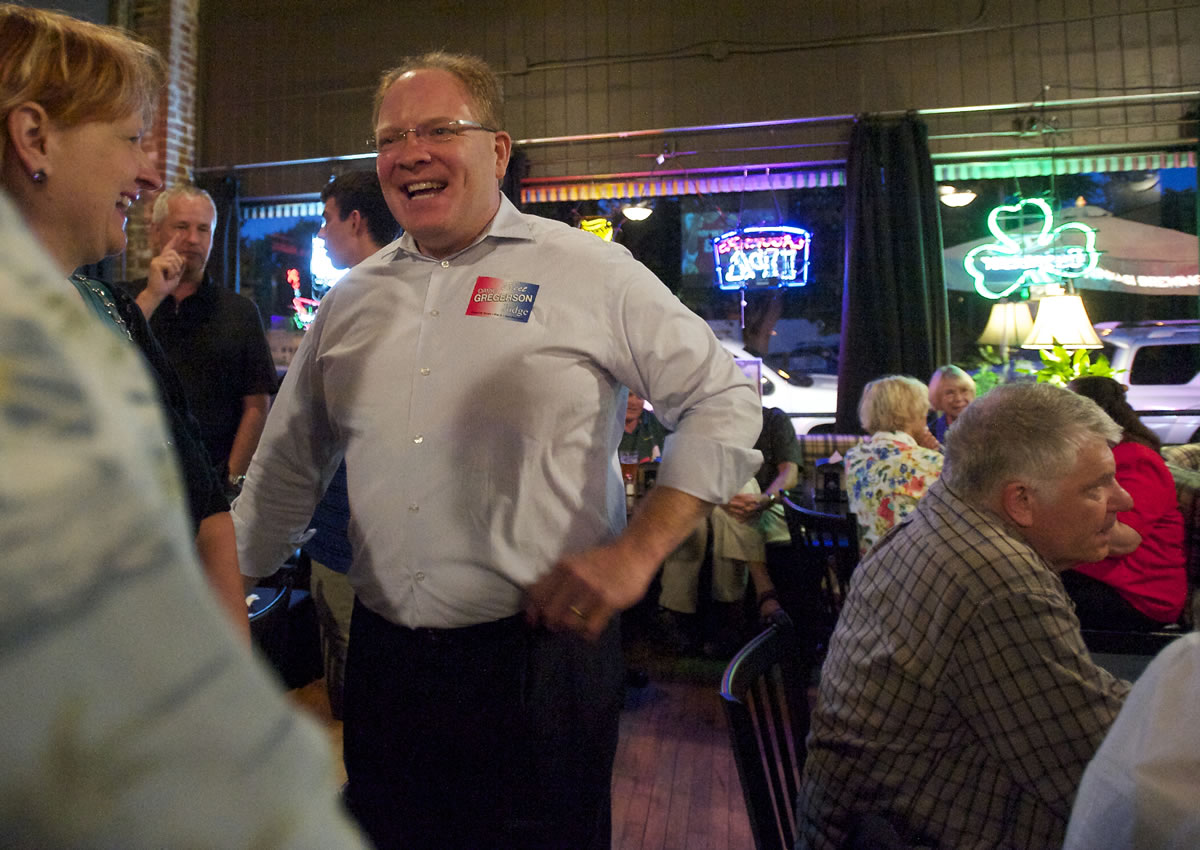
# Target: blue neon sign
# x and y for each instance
(762, 257)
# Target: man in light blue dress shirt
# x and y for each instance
(472, 376)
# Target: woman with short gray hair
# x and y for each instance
(950, 391)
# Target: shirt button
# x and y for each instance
(434, 313)
(414, 508)
(445, 264)
(419, 438)
(420, 576)
(424, 370)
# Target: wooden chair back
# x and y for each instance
(766, 703)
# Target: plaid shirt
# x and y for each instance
(957, 699)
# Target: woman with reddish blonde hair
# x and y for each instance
(76, 100)
(134, 716)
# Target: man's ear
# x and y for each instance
(358, 224)
(1016, 503)
(503, 152)
(29, 131)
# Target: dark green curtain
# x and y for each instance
(894, 316)
(224, 263)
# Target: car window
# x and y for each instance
(1165, 364)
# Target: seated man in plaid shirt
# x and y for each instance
(958, 701)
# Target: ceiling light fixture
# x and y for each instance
(952, 197)
(637, 212)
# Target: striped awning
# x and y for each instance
(291, 209)
(543, 190)
(534, 193)
(1059, 165)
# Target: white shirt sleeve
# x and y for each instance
(1142, 789)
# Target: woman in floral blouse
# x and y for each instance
(888, 472)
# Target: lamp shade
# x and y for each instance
(1061, 320)
(1008, 324)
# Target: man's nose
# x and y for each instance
(148, 178)
(413, 151)
(1121, 500)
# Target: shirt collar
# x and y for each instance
(895, 437)
(205, 294)
(507, 223)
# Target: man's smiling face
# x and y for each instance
(444, 193)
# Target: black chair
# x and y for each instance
(269, 620)
(1114, 642)
(828, 543)
(764, 690)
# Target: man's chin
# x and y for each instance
(1100, 551)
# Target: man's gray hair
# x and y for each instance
(179, 190)
(1028, 432)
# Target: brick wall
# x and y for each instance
(171, 27)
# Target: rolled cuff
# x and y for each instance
(705, 468)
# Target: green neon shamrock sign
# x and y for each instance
(1000, 268)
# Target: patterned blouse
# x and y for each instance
(886, 475)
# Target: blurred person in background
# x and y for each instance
(357, 224)
(950, 391)
(644, 435)
(889, 471)
(1142, 584)
(213, 337)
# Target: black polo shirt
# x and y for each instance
(777, 442)
(215, 341)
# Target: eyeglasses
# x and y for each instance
(437, 132)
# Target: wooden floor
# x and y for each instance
(674, 781)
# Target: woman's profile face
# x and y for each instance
(96, 171)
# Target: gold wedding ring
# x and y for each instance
(577, 612)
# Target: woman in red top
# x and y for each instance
(1145, 588)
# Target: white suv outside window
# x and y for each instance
(1160, 363)
(811, 400)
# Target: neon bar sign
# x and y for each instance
(306, 308)
(1048, 255)
(762, 257)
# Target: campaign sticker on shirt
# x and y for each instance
(504, 299)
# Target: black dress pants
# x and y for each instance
(492, 736)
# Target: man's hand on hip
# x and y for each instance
(584, 590)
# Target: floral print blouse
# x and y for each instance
(886, 475)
